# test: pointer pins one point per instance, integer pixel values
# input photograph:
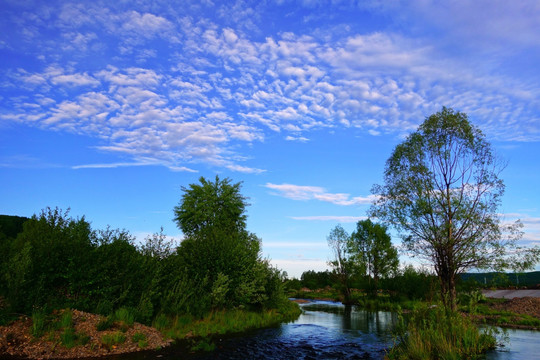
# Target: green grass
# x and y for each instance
(223, 322)
(68, 338)
(439, 334)
(125, 316)
(66, 320)
(105, 323)
(140, 339)
(58, 328)
(39, 323)
(110, 340)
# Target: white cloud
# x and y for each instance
(227, 84)
(297, 138)
(334, 218)
(299, 192)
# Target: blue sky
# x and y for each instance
(110, 107)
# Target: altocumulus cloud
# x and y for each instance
(194, 85)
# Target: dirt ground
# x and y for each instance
(526, 305)
(16, 339)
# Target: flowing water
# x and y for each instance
(329, 330)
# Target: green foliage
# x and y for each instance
(140, 339)
(411, 283)
(68, 337)
(66, 320)
(342, 264)
(219, 260)
(11, 226)
(105, 323)
(125, 316)
(115, 338)
(39, 323)
(59, 262)
(316, 279)
(372, 251)
(441, 191)
(210, 206)
(49, 261)
(434, 333)
(228, 321)
(138, 336)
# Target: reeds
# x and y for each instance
(435, 333)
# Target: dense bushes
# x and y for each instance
(57, 261)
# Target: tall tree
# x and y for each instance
(218, 253)
(211, 205)
(441, 191)
(372, 251)
(342, 264)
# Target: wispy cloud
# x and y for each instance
(334, 218)
(128, 164)
(300, 192)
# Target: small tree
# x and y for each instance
(441, 191)
(372, 251)
(342, 264)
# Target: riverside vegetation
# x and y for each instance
(441, 192)
(214, 282)
(426, 330)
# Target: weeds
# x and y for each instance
(440, 334)
(138, 336)
(105, 324)
(39, 322)
(125, 315)
(68, 337)
(115, 338)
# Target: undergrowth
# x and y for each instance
(434, 333)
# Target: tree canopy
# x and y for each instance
(372, 251)
(441, 191)
(338, 240)
(218, 254)
(211, 205)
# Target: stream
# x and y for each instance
(329, 330)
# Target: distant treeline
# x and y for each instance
(417, 284)
(528, 279)
(405, 283)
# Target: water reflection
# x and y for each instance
(328, 330)
(520, 344)
(325, 330)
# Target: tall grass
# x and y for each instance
(225, 321)
(439, 334)
(125, 315)
(39, 322)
